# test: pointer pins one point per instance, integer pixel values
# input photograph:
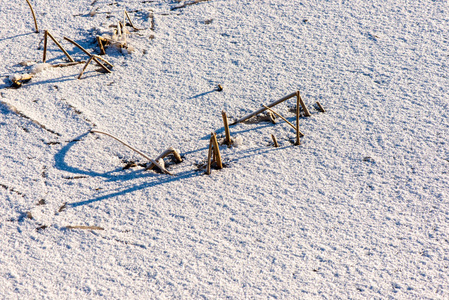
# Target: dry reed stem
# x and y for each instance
(135, 150)
(298, 141)
(78, 45)
(44, 58)
(85, 66)
(264, 109)
(209, 157)
(226, 128)
(130, 22)
(152, 21)
(34, 16)
(304, 107)
(95, 58)
(69, 64)
(60, 46)
(90, 55)
(100, 43)
(274, 141)
(217, 151)
(320, 107)
(166, 153)
(277, 114)
(85, 227)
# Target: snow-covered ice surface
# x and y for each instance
(359, 210)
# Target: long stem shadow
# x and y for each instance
(202, 94)
(16, 36)
(165, 179)
(61, 164)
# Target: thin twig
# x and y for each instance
(85, 227)
(320, 107)
(95, 58)
(263, 109)
(130, 22)
(298, 141)
(60, 46)
(69, 64)
(84, 68)
(152, 20)
(293, 126)
(209, 157)
(90, 55)
(304, 107)
(135, 150)
(34, 16)
(44, 58)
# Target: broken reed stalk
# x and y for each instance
(277, 114)
(226, 128)
(34, 16)
(78, 45)
(90, 55)
(304, 107)
(85, 227)
(130, 22)
(166, 153)
(320, 107)
(264, 109)
(60, 46)
(274, 141)
(209, 156)
(44, 58)
(298, 141)
(100, 43)
(95, 58)
(217, 151)
(84, 68)
(135, 150)
(69, 64)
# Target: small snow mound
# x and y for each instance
(161, 162)
(27, 63)
(39, 68)
(238, 141)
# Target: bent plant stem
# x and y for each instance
(60, 46)
(34, 16)
(135, 150)
(277, 114)
(130, 22)
(84, 68)
(166, 153)
(264, 109)
(209, 157)
(90, 55)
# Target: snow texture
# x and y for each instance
(359, 210)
